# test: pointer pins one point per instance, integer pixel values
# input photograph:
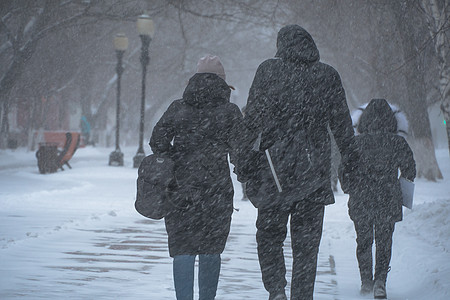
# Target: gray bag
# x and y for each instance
(154, 176)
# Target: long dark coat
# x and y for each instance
(198, 132)
(378, 194)
(293, 99)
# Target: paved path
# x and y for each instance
(126, 257)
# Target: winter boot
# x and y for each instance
(366, 287)
(379, 290)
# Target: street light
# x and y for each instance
(120, 44)
(146, 30)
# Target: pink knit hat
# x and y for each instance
(211, 64)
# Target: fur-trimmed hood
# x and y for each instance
(360, 115)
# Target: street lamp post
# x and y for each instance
(120, 44)
(146, 30)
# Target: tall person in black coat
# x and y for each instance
(375, 205)
(199, 131)
(293, 100)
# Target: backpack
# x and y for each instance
(155, 174)
(295, 163)
(289, 143)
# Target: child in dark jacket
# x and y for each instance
(375, 202)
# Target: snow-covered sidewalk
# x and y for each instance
(75, 235)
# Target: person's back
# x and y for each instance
(382, 154)
(198, 132)
(293, 100)
(203, 125)
(375, 202)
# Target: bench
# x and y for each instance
(56, 149)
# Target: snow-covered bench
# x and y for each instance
(56, 149)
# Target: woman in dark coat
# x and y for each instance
(375, 204)
(198, 132)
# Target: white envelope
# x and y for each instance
(407, 192)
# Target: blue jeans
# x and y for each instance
(208, 276)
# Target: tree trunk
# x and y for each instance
(4, 131)
(437, 17)
(417, 111)
(7, 82)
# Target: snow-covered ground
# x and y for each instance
(75, 234)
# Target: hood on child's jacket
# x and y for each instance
(378, 117)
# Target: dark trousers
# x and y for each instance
(383, 241)
(306, 231)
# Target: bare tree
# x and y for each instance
(437, 13)
(23, 24)
(377, 46)
(414, 96)
(379, 49)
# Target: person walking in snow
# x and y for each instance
(198, 132)
(85, 130)
(375, 205)
(293, 99)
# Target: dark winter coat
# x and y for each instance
(383, 152)
(198, 132)
(293, 99)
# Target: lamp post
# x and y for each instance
(146, 30)
(120, 44)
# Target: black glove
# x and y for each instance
(247, 166)
(349, 178)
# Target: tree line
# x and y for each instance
(63, 49)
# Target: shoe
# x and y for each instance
(379, 290)
(366, 287)
(280, 296)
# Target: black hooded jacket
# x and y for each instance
(294, 98)
(383, 153)
(198, 132)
